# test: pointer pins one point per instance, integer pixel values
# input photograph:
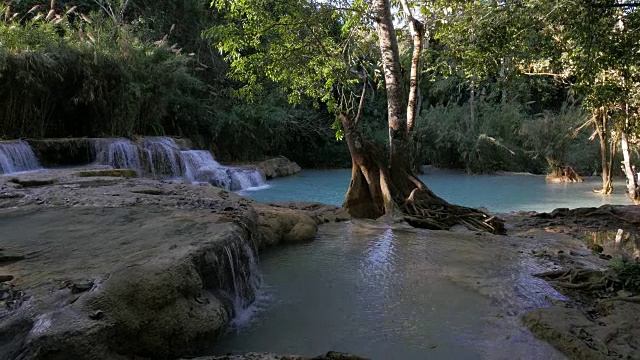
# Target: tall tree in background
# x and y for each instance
(594, 45)
(327, 50)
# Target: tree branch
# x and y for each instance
(361, 104)
(417, 33)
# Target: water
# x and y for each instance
(397, 294)
(161, 158)
(17, 156)
(408, 293)
(119, 153)
(250, 295)
(497, 193)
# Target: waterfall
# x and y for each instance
(201, 167)
(161, 158)
(249, 293)
(118, 153)
(243, 179)
(17, 156)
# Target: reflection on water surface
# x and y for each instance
(397, 294)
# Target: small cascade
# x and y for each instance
(243, 179)
(16, 157)
(249, 295)
(161, 158)
(201, 167)
(118, 153)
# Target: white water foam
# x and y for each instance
(160, 157)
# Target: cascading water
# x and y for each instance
(163, 156)
(160, 157)
(249, 293)
(201, 167)
(246, 179)
(118, 153)
(16, 157)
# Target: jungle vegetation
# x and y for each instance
(526, 85)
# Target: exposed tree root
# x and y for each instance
(582, 279)
(378, 189)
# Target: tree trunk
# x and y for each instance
(632, 180)
(377, 189)
(603, 135)
(396, 99)
(384, 184)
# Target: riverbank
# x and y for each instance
(102, 264)
(600, 319)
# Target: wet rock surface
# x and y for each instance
(108, 267)
(600, 317)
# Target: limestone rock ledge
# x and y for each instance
(109, 267)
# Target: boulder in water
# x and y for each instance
(285, 225)
(278, 167)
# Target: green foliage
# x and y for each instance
(58, 73)
(550, 135)
(96, 68)
(629, 273)
(449, 138)
(503, 137)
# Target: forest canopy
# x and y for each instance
(528, 85)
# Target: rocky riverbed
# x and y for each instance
(97, 263)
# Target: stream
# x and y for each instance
(407, 293)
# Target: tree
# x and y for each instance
(594, 46)
(326, 50)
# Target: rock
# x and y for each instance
(5, 278)
(63, 152)
(331, 355)
(321, 213)
(606, 332)
(7, 259)
(148, 191)
(125, 173)
(285, 225)
(278, 167)
(144, 300)
(81, 286)
(597, 248)
(33, 182)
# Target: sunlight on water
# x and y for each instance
(396, 294)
